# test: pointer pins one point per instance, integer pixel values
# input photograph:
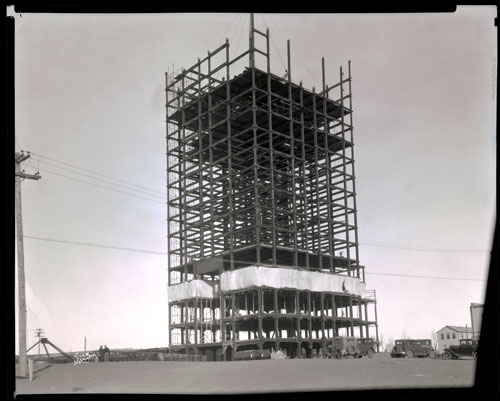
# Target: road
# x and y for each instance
(267, 376)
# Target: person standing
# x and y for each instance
(106, 353)
(101, 354)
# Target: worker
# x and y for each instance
(106, 353)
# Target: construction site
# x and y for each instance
(263, 249)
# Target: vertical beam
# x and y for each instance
(360, 311)
(299, 334)
(251, 42)
(233, 320)
(351, 315)
(256, 166)
(322, 304)
(309, 314)
(344, 169)
(334, 315)
(211, 164)
(200, 163)
(353, 174)
(271, 158)
(169, 264)
(292, 161)
(230, 157)
(331, 247)
(277, 335)
(305, 176)
(366, 320)
(376, 319)
(316, 168)
(186, 330)
(259, 313)
(169, 323)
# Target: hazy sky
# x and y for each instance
(90, 93)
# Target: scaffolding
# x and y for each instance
(260, 175)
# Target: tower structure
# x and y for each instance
(262, 225)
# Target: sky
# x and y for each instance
(90, 98)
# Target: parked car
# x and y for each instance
(412, 348)
(466, 347)
(343, 347)
(366, 346)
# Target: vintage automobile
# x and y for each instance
(343, 347)
(412, 348)
(466, 347)
(366, 346)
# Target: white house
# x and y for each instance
(451, 335)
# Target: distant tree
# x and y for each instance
(385, 343)
(389, 344)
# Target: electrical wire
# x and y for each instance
(102, 186)
(416, 248)
(238, 261)
(94, 245)
(96, 173)
(431, 277)
(100, 179)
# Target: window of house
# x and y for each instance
(442, 336)
(447, 336)
(454, 336)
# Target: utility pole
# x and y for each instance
(38, 334)
(20, 175)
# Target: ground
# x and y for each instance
(296, 375)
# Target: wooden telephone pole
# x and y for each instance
(20, 175)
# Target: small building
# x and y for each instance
(451, 335)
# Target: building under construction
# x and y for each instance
(262, 227)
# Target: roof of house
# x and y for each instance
(459, 329)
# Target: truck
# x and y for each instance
(466, 347)
(405, 348)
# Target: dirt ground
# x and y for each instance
(266, 376)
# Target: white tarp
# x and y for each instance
(259, 276)
(191, 289)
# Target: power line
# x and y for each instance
(94, 245)
(431, 277)
(237, 261)
(364, 242)
(100, 179)
(96, 173)
(417, 248)
(102, 186)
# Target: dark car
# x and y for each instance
(466, 347)
(366, 346)
(412, 348)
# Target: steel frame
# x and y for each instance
(260, 172)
